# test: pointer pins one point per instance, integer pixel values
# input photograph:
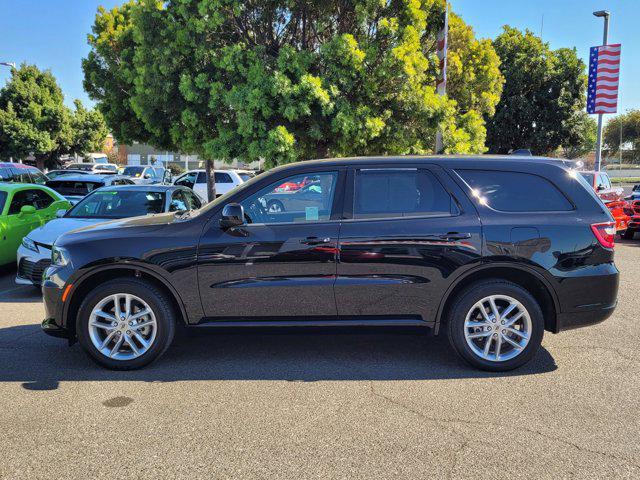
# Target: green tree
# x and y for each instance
(629, 123)
(285, 81)
(35, 121)
(582, 135)
(543, 91)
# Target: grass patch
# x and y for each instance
(625, 180)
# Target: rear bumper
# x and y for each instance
(587, 299)
(570, 321)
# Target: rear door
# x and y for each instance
(407, 233)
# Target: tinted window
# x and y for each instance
(36, 198)
(202, 177)
(118, 204)
(67, 187)
(223, 177)
(192, 199)
(6, 175)
(270, 205)
(515, 191)
(187, 180)
(133, 171)
(178, 202)
(37, 177)
(21, 175)
(246, 176)
(3, 200)
(588, 177)
(383, 193)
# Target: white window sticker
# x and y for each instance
(311, 213)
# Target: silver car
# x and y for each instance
(103, 204)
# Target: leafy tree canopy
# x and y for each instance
(287, 80)
(582, 134)
(629, 123)
(34, 119)
(543, 91)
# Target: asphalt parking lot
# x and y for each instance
(321, 404)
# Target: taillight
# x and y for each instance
(605, 233)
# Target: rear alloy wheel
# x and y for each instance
(496, 325)
(125, 324)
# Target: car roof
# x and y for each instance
(455, 161)
(146, 188)
(11, 186)
(94, 177)
(17, 165)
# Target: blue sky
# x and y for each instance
(52, 34)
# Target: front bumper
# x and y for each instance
(31, 265)
(50, 327)
(53, 285)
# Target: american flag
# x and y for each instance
(604, 69)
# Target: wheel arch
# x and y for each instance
(97, 275)
(528, 278)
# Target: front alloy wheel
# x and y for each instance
(125, 323)
(122, 326)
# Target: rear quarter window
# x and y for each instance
(515, 191)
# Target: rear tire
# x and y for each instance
(511, 345)
(628, 234)
(142, 337)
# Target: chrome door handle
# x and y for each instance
(315, 240)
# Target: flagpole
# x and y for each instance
(441, 87)
(605, 41)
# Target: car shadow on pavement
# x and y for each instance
(41, 363)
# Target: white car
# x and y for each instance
(101, 205)
(226, 180)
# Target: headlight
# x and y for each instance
(29, 244)
(59, 256)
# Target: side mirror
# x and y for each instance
(27, 210)
(232, 216)
(61, 213)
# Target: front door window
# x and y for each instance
(311, 203)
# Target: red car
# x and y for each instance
(293, 186)
(621, 210)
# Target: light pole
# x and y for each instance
(605, 40)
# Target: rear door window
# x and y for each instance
(394, 193)
(222, 177)
(515, 191)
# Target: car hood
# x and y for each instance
(132, 227)
(48, 233)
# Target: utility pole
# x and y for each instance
(605, 40)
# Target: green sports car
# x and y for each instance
(24, 207)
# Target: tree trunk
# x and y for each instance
(211, 181)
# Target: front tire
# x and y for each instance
(495, 325)
(125, 324)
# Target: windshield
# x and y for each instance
(245, 176)
(588, 177)
(86, 167)
(118, 204)
(133, 171)
(73, 187)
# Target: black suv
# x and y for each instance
(491, 250)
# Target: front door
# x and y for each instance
(412, 230)
(279, 265)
